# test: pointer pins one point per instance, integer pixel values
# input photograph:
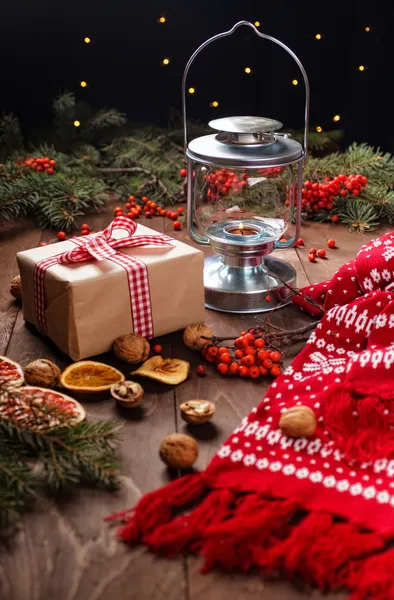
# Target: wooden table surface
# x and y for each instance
(64, 550)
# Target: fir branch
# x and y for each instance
(35, 455)
(359, 216)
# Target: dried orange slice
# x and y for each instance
(167, 370)
(40, 408)
(89, 376)
(11, 373)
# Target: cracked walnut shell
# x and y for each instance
(42, 372)
(127, 393)
(178, 451)
(132, 348)
(197, 412)
(193, 336)
(298, 421)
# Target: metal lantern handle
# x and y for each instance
(262, 35)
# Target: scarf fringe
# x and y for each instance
(360, 423)
(240, 530)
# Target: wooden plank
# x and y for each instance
(15, 236)
(65, 548)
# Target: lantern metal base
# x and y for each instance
(238, 289)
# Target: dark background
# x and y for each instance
(43, 53)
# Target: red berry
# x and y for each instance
(321, 253)
(253, 372)
(248, 350)
(222, 368)
(312, 257)
(213, 351)
(182, 173)
(262, 355)
(61, 236)
(267, 363)
(331, 243)
(222, 350)
(144, 199)
(85, 232)
(299, 242)
(43, 244)
(225, 358)
(157, 348)
(263, 371)
(268, 298)
(200, 370)
(234, 368)
(177, 225)
(248, 360)
(335, 218)
(312, 251)
(275, 371)
(259, 343)
(180, 210)
(238, 354)
(275, 356)
(148, 214)
(128, 205)
(50, 171)
(242, 371)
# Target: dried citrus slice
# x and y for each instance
(11, 373)
(89, 376)
(41, 408)
(167, 370)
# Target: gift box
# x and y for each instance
(85, 292)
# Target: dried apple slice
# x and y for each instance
(167, 370)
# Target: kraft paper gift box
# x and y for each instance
(88, 304)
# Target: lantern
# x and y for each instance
(244, 188)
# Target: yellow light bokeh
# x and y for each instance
(318, 36)
(162, 20)
(336, 118)
(248, 70)
(87, 40)
(214, 104)
(257, 23)
(367, 29)
(295, 82)
(83, 84)
(319, 129)
(361, 68)
(166, 61)
(76, 123)
(191, 90)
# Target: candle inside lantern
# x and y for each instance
(242, 230)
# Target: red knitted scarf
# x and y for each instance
(319, 509)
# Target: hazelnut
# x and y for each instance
(16, 288)
(178, 451)
(132, 348)
(127, 393)
(193, 336)
(298, 421)
(42, 372)
(197, 412)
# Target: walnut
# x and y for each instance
(42, 372)
(178, 451)
(16, 288)
(298, 421)
(127, 393)
(132, 348)
(192, 336)
(197, 412)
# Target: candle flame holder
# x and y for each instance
(244, 186)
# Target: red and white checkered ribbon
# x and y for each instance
(102, 246)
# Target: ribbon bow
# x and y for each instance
(103, 246)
